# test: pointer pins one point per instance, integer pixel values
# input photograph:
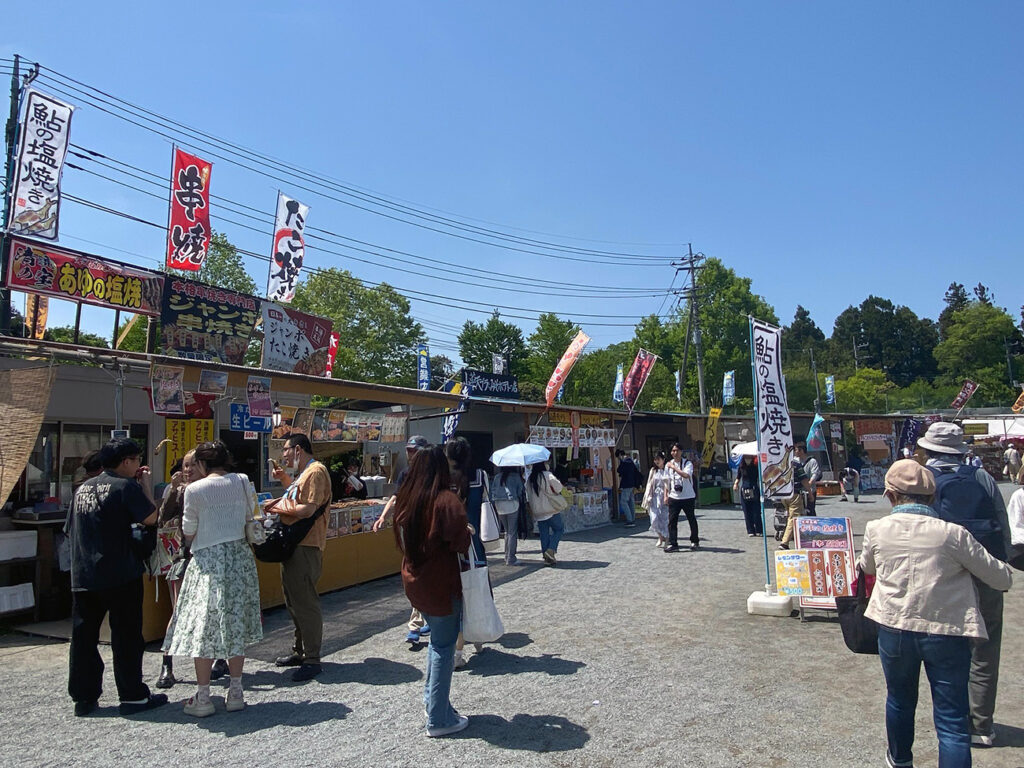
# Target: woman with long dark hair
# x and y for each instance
(218, 611)
(549, 522)
(469, 486)
(509, 495)
(431, 531)
(748, 483)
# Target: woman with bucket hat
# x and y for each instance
(926, 606)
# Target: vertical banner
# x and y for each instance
(634, 382)
(37, 309)
(710, 435)
(909, 433)
(729, 388)
(617, 392)
(830, 390)
(289, 249)
(561, 391)
(774, 431)
(966, 392)
(332, 354)
(497, 363)
(561, 372)
(451, 421)
(188, 226)
(815, 435)
(35, 192)
(422, 366)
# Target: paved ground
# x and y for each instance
(622, 656)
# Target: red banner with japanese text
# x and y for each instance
(188, 227)
(332, 354)
(561, 372)
(966, 392)
(634, 382)
(63, 274)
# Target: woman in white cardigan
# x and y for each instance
(218, 611)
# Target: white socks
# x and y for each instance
(235, 685)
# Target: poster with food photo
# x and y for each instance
(294, 341)
(303, 422)
(168, 393)
(284, 429)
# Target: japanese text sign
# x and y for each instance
(289, 249)
(774, 431)
(37, 268)
(828, 542)
(422, 366)
(561, 372)
(257, 393)
(332, 354)
(634, 382)
(201, 322)
(168, 392)
(710, 433)
(188, 228)
(184, 434)
(966, 392)
(35, 197)
(242, 421)
(294, 341)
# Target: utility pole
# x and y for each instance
(10, 136)
(817, 389)
(692, 264)
(856, 360)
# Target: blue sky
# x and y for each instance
(827, 150)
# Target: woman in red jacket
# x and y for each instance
(432, 530)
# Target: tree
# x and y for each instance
(592, 380)
(546, 345)
(478, 341)
(66, 335)
(983, 294)
(441, 369)
(378, 337)
(863, 392)
(956, 298)
(888, 337)
(223, 268)
(802, 333)
(975, 348)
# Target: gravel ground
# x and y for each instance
(623, 655)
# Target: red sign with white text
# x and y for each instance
(188, 227)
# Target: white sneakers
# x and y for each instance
(235, 701)
(460, 725)
(199, 707)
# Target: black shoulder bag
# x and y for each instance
(859, 632)
(282, 540)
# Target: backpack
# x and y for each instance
(961, 499)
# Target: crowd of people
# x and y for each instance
(938, 559)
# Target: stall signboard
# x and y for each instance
(586, 419)
(184, 435)
(491, 384)
(829, 543)
(257, 393)
(201, 322)
(873, 430)
(283, 430)
(393, 428)
(35, 200)
(561, 437)
(168, 390)
(976, 428)
(792, 572)
(63, 274)
(242, 421)
(294, 341)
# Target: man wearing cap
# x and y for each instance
(417, 625)
(969, 496)
(926, 606)
(1011, 457)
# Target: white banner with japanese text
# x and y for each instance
(774, 430)
(289, 249)
(35, 198)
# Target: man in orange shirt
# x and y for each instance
(308, 493)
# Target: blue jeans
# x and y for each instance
(444, 631)
(627, 504)
(551, 532)
(947, 662)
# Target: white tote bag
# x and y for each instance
(480, 620)
(490, 529)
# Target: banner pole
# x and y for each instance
(760, 466)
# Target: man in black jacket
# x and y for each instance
(629, 479)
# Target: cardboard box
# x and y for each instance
(15, 545)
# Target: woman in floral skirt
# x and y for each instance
(656, 498)
(218, 612)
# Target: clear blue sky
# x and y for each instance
(826, 150)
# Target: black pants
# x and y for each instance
(675, 506)
(85, 675)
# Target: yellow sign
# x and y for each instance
(184, 434)
(978, 428)
(709, 437)
(792, 572)
(564, 417)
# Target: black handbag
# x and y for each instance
(143, 541)
(282, 540)
(859, 632)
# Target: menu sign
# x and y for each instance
(201, 322)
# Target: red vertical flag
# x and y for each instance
(968, 389)
(188, 226)
(561, 372)
(634, 382)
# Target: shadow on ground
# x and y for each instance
(534, 733)
(491, 662)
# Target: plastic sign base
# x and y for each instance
(761, 603)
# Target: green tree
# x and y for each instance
(802, 333)
(546, 345)
(975, 348)
(890, 338)
(478, 341)
(863, 392)
(223, 267)
(983, 294)
(66, 335)
(956, 298)
(378, 337)
(441, 369)
(592, 380)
